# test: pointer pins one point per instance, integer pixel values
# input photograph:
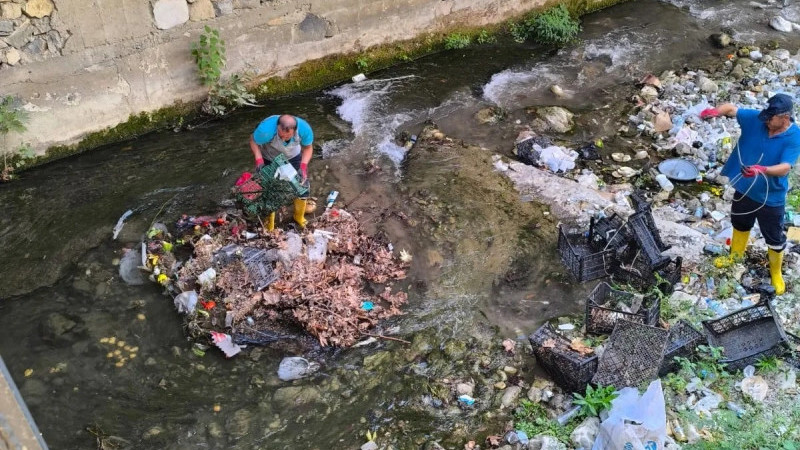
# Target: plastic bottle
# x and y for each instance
(664, 182)
(677, 431)
(716, 307)
(737, 409)
(713, 249)
(331, 198)
(568, 415)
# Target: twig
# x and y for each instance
(385, 337)
(161, 209)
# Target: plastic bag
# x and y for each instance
(635, 423)
(185, 302)
(295, 367)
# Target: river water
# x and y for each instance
(61, 293)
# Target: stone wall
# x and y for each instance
(80, 66)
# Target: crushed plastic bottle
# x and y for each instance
(716, 307)
(664, 182)
(568, 415)
(737, 409)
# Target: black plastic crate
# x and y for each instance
(568, 368)
(747, 335)
(633, 355)
(603, 309)
(259, 269)
(635, 272)
(609, 233)
(577, 255)
(792, 356)
(642, 206)
(643, 234)
(683, 342)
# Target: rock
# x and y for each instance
(556, 118)
(756, 55)
(738, 71)
(510, 370)
(641, 154)
(6, 27)
(510, 396)
(585, 433)
(544, 442)
(54, 42)
(170, 13)
(223, 7)
(152, 432)
(21, 35)
(500, 385)
(487, 115)
(36, 48)
(781, 24)
(706, 85)
(376, 360)
(201, 10)
(56, 327)
(465, 389)
(10, 10)
(745, 62)
(537, 390)
(39, 8)
(720, 40)
(291, 397)
(371, 445)
(781, 54)
(41, 26)
(214, 430)
(239, 423)
(13, 56)
(246, 4)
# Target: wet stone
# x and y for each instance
(57, 326)
(214, 430)
(152, 432)
(239, 423)
(82, 285)
(292, 396)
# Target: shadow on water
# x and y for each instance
(62, 295)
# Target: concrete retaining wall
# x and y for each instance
(116, 58)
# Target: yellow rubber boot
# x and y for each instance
(739, 243)
(300, 211)
(775, 262)
(270, 225)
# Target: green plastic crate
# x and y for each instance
(265, 193)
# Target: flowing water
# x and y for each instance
(61, 293)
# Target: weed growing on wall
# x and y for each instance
(555, 26)
(223, 95)
(12, 119)
(455, 41)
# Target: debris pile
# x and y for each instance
(243, 286)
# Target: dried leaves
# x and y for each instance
(324, 298)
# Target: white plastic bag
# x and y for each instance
(635, 423)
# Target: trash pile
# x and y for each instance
(240, 285)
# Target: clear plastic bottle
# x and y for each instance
(737, 409)
(331, 198)
(664, 182)
(716, 307)
(568, 415)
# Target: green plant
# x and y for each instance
(595, 400)
(228, 95)
(209, 55)
(485, 38)
(532, 418)
(768, 364)
(455, 41)
(554, 26)
(362, 63)
(12, 119)
(676, 382)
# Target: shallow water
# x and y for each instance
(57, 249)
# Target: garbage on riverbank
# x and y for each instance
(240, 285)
(728, 371)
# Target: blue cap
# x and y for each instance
(777, 104)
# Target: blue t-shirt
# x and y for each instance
(266, 130)
(756, 147)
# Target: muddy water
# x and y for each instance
(484, 262)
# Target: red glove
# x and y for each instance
(751, 171)
(709, 113)
(259, 163)
(304, 170)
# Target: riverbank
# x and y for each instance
(697, 394)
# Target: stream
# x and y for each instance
(61, 293)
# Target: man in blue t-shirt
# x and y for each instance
(292, 137)
(758, 170)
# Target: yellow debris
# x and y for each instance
(28, 372)
(793, 234)
(140, 316)
(120, 343)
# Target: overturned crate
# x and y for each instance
(576, 253)
(683, 341)
(642, 207)
(606, 305)
(747, 335)
(609, 233)
(569, 369)
(633, 355)
(636, 272)
(645, 236)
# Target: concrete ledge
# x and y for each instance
(17, 428)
